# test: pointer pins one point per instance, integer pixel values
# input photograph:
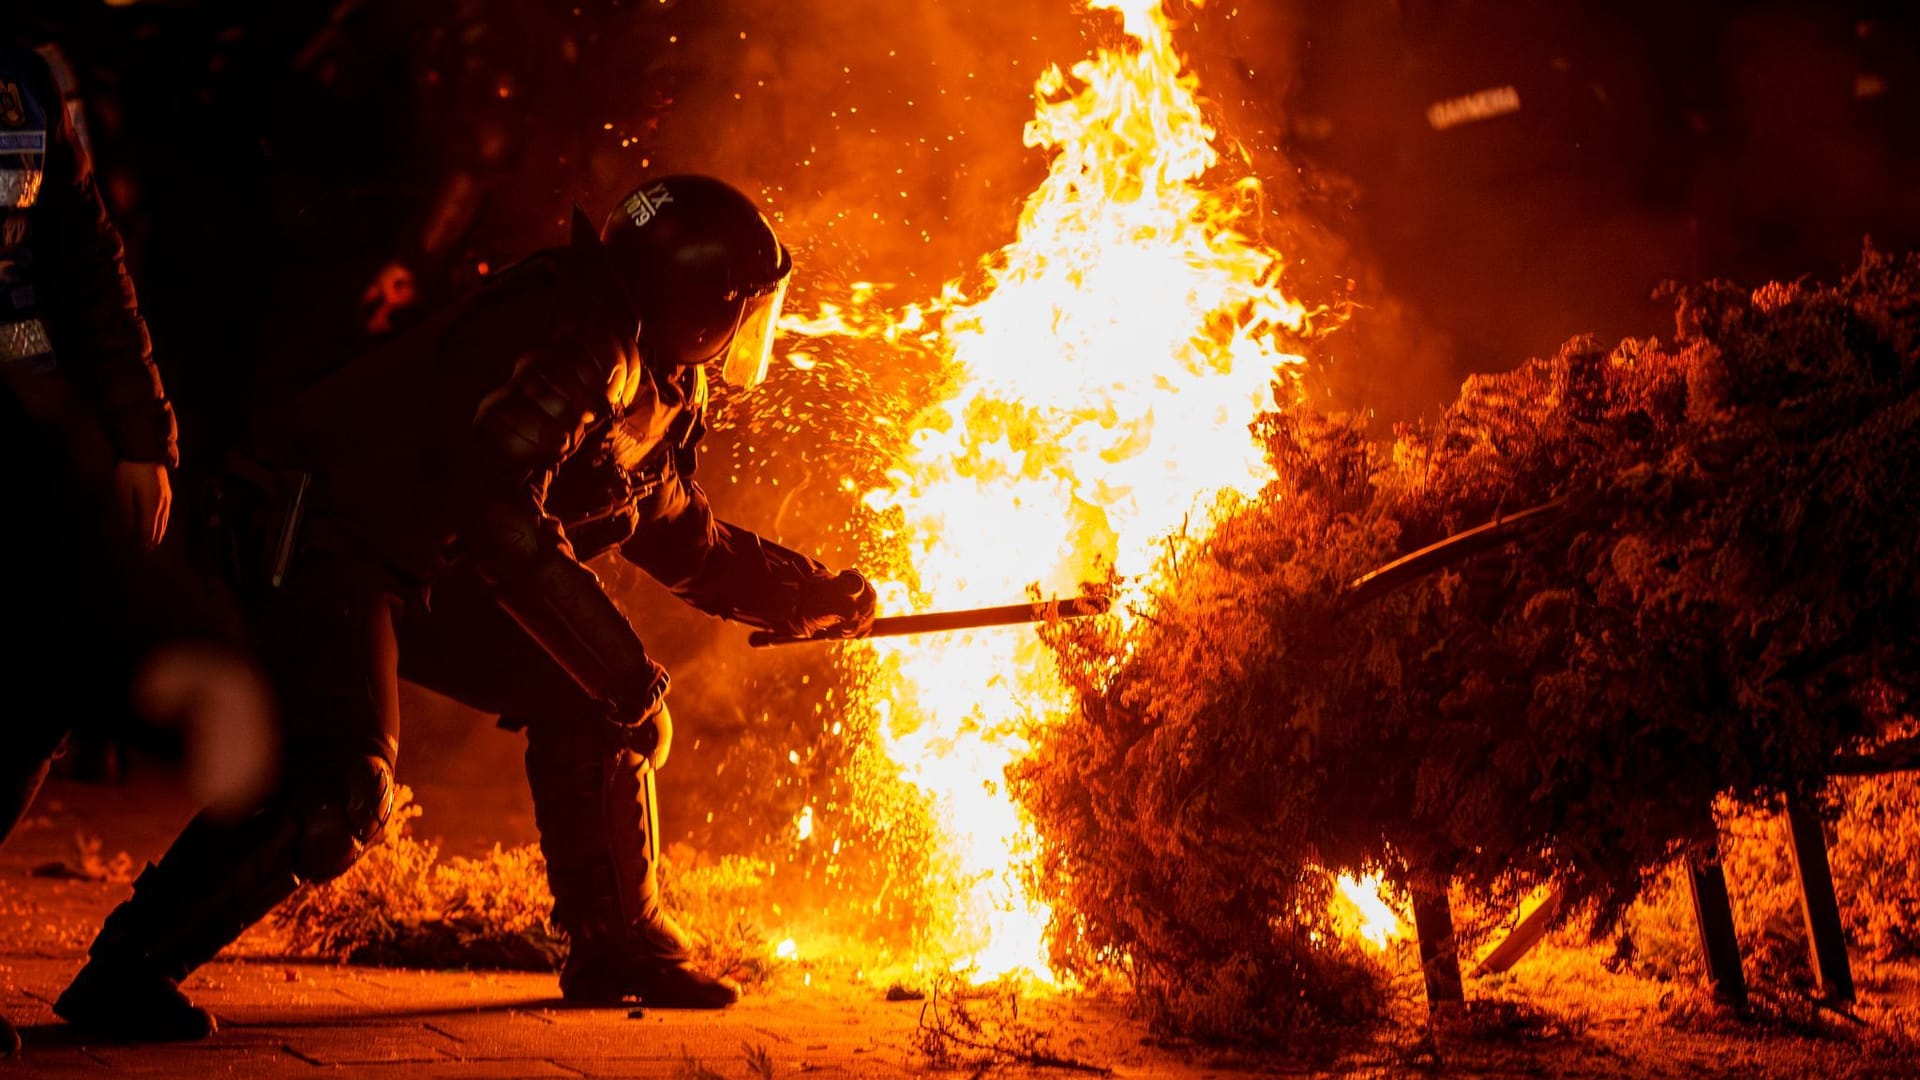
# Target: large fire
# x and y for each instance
(1105, 373)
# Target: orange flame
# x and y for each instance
(1364, 914)
(1104, 378)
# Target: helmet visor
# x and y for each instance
(751, 349)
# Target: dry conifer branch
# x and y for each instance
(953, 1036)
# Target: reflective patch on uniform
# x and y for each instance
(19, 188)
(1473, 108)
(24, 340)
(23, 142)
(643, 204)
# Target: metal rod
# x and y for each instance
(1439, 949)
(1719, 943)
(1523, 937)
(1410, 568)
(964, 619)
(1826, 933)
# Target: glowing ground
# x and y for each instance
(1559, 1013)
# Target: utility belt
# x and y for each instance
(615, 500)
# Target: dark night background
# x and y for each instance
(265, 160)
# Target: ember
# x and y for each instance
(1215, 593)
(1104, 375)
(1519, 719)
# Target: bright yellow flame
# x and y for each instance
(1107, 372)
(787, 950)
(1371, 919)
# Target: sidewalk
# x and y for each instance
(302, 1020)
(282, 1020)
(296, 1019)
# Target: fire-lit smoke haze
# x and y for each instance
(885, 137)
(885, 140)
(1104, 368)
(967, 428)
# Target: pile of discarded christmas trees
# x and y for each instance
(1720, 596)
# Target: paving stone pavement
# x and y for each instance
(298, 1019)
(305, 1020)
(280, 1019)
(293, 1020)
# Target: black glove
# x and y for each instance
(834, 607)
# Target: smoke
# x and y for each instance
(885, 137)
(886, 140)
(886, 143)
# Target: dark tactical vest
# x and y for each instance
(27, 119)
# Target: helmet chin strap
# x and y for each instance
(694, 415)
(681, 392)
(658, 362)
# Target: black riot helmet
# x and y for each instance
(706, 273)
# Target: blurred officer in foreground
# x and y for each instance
(93, 625)
(101, 642)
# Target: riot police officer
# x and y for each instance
(630, 490)
(431, 461)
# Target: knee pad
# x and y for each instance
(342, 816)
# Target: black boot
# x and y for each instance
(9, 1038)
(132, 1003)
(209, 887)
(598, 816)
(598, 976)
